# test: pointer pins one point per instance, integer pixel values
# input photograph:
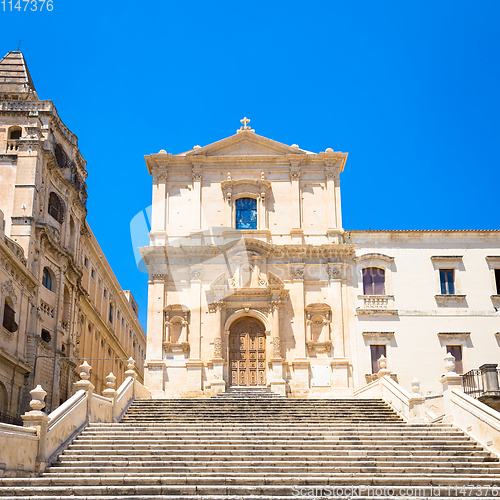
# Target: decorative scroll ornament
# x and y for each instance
(276, 347)
(334, 272)
(298, 273)
(8, 290)
(158, 277)
(195, 275)
(217, 347)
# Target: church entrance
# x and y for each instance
(247, 353)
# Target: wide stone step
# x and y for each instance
(304, 466)
(260, 487)
(250, 446)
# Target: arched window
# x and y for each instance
(9, 316)
(56, 207)
(47, 278)
(246, 213)
(373, 281)
(61, 157)
(15, 133)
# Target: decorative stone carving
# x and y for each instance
(158, 277)
(276, 347)
(218, 305)
(8, 290)
(298, 273)
(196, 176)
(217, 347)
(294, 175)
(195, 275)
(334, 272)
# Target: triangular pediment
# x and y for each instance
(246, 143)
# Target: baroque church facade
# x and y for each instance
(254, 281)
(60, 302)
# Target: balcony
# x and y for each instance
(376, 304)
(12, 147)
(483, 384)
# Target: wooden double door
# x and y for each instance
(247, 353)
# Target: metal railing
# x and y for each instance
(10, 420)
(476, 384)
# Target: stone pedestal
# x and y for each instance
(277, 384)
(217, 384)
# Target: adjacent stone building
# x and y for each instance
(254, 281)
(60, 301)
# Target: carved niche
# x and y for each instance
(176, 329)
(318, 335)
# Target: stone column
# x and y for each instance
(277, 383)
(449, 381)
(196, 204)
(217, 383)
(296, 233)
(297, 297)
(330, 193)
(158, 218)
(195, 304)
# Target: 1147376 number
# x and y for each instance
(27, 5)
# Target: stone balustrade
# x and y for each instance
(28, 450)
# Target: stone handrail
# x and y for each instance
(44, 436)
(102, 409)
(65, 423)
(141, 392)
(124, 397)
(367, 391)
(410, 407)
(478, 420)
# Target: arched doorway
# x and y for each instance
(247, 353)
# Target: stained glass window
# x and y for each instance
(246, 213)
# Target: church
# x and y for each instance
(254, 282)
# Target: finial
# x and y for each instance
(19, 44)
(228, 176)
(245, 122)
(38, 398)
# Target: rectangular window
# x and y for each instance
(105, 294)
(111, 314)
(376, 351)
(86, 262)
(446, 277)
(92, 274)
(456, 352)
(497, 280)
(373, 281)
(246, 213)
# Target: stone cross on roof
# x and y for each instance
(245, 122)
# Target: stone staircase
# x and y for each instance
(247, 444)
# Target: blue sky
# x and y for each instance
(409, 89)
